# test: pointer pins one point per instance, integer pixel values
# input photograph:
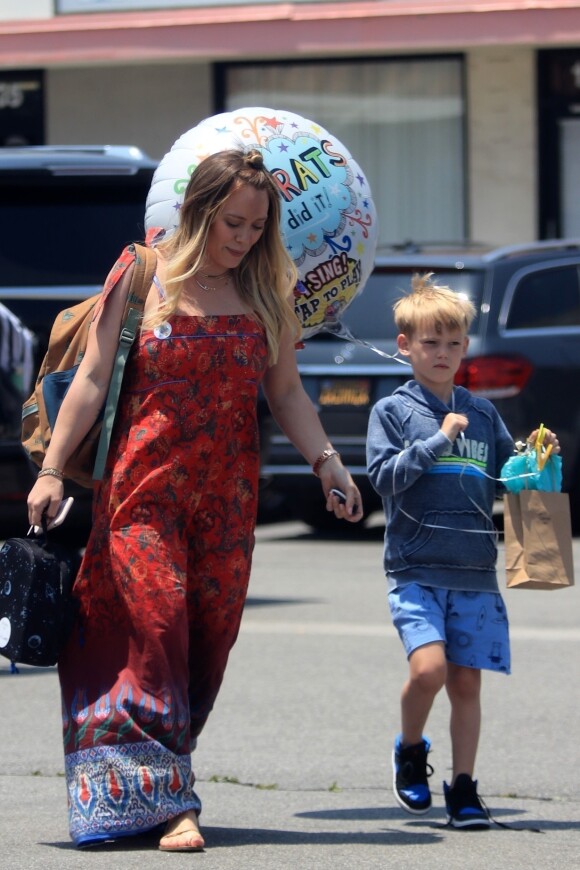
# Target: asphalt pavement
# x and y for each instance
(294, 765)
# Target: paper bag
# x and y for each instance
(538, 540)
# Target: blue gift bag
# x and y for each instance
(521, 472)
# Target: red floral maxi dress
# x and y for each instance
(164, 578)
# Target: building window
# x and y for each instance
(21, 107)
(559, 142)
(403, 121)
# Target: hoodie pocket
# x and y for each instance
(452, 539)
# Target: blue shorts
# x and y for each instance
(473, 625)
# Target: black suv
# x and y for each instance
(66, 213)
(524, 355)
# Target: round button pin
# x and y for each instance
(163, 330)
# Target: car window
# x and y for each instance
(370, 314)
(67, 231)
(546, 298)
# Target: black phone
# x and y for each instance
(342, 498)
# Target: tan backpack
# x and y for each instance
(66, 348)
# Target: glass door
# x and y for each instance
(569, 130)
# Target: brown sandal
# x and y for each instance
(182, 827)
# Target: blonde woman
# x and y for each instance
(163, 581)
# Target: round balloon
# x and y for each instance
(329, 221)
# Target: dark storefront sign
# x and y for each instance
(21, 107)
(559, 142)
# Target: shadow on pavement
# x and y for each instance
(216, 837)
(225, 837)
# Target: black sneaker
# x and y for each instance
(410, 772)
(464, 808)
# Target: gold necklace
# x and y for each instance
(219, 275)
(209, 287)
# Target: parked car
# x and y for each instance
(524, 355)
(66, 213)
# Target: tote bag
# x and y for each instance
(538, 540)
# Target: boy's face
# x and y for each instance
(435, 356)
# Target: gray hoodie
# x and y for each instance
(436, 495)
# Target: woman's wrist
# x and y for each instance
(324, 457)
(51, 471)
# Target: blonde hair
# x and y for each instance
(434, 304)
(267, 275)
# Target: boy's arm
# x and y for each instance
(392, 466)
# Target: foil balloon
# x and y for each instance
(328, 222)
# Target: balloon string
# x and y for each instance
(335, 327)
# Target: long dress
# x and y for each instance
(164, 578)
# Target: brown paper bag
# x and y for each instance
(538, 540)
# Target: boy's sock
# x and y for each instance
(410, 772)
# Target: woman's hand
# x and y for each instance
(44, 500)
(333, 475)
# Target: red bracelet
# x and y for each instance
(326, 454)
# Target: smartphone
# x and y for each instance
(61, 514)
(342, 498)
(60, 517)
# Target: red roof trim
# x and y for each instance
(238, 32)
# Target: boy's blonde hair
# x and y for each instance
(433, 304)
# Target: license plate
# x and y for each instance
(353, 392)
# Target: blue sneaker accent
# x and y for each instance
(410, 772)
(464, 808)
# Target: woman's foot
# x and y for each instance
(182, 835)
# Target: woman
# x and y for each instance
(164, 577)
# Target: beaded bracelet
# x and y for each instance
(51, 472)
(326, 454)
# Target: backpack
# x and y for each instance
(37, 610)
(66, 347)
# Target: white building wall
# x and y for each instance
(502, 145)
(147, 106)
(150, 106)
(19, 9)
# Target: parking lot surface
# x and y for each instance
(294, 766)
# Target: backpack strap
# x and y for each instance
(143, 272)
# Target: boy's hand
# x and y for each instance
(549, 438)
(453, 424)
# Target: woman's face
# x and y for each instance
(237, 227)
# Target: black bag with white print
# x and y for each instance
(37, 610)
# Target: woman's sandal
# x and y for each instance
(182, 835)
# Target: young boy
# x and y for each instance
(434, 452)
